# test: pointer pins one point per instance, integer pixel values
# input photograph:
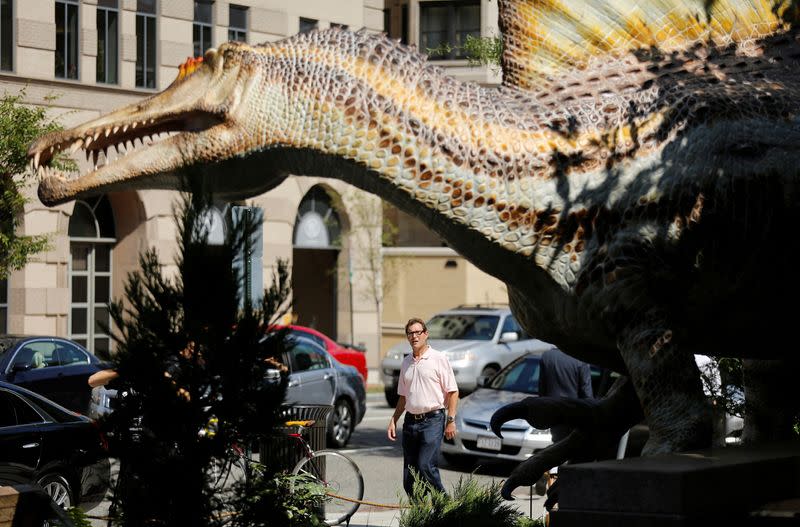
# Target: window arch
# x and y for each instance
(317, 225)
(92, 236)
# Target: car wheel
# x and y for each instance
(59, 490)
(490, 371)
(341, 425)
(391, 397)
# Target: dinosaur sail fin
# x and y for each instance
(543, 38)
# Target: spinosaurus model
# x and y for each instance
(634, 181)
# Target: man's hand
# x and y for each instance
(391, 432)
(450, 430)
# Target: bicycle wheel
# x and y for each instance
(343, 482)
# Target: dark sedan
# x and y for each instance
(43, 443)
(315, 377)
(54, 367)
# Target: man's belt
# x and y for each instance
(426, 415)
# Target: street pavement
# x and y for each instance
(380, 462)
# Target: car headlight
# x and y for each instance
(460, 355)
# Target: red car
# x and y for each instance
(344, 354)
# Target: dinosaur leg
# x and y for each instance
(599, 426)
(771, 402)
(667, 382)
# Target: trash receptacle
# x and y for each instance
(280, 452)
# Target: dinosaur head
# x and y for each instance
(197, 121)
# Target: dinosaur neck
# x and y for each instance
(461, 156)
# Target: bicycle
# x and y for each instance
(338, 474)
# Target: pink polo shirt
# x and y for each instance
(425, 382)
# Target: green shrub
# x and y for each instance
(469, 505)
(268, 501)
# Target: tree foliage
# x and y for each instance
(19, 126)
(192, 367)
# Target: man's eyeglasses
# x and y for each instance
(410, 334)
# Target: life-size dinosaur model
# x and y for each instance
(634, 181)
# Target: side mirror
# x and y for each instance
(483, 381)
(509, 336)
(20, 367)
(272, 375)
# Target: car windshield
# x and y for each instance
(462, 327)
(521, 376)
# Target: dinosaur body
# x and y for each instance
(631, 192)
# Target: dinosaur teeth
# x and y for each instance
(115, 130)
(95, 155)
(96, 135)
(124, 128)
(88, 141)
(108, 132)
(134, 124)
(75, 146)
(36, 159)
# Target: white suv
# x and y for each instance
(478, 341)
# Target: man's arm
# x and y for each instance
(391, 431)
(451, 403)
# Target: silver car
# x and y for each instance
(474, 438)
(478, 341)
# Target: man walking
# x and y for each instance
(428, 393)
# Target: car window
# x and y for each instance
(315, 338)
(35, 355)
(463, 327)
(510, 325)
(306, 356)
(14, 411)
(522, 376)
(66, 354)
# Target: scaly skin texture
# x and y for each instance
(638, 195)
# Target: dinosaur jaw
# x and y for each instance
(124, 152)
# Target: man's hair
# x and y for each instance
(413, 321)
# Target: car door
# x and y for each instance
(313, 378)
(20, 439)
(74, 366)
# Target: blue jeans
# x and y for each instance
(422, 440)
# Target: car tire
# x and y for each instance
(341, 424)
(58, 488)
(391, 397)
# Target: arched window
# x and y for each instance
(317, 225)
(92, 237)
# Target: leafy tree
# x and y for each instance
(193, 368)
(19, 126)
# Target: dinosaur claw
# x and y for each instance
(508, 487)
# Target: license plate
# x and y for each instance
(490, 443)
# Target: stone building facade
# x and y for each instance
(83, 58)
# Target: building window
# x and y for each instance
(340, 26)
(237, 23)
(444, 24)
(6, 35)
(92, 238)
(145, 43)
(67, 39)
(107, 41)
(202, 26)
(3, 307)
(308, 24)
